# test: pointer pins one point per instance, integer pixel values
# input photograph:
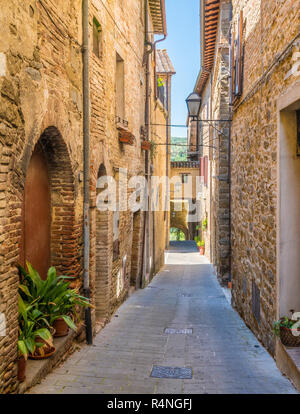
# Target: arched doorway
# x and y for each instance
(50, 236)
(102, 285)
(136, 270)
(36, 213)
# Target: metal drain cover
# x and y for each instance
(185, 295)
(169, 372)
(172, 331)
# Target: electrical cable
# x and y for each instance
(68, 36)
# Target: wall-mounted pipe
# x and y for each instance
(86, 157)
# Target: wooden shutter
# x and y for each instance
(205, 162)
(239, 58)
(201, 167)
(232, 71)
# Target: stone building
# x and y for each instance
(265, 86)
(161, 157)
(41, 149)
(209, 138)
(183, 197)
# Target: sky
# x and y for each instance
(183, 46)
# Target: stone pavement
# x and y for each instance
(223, 354)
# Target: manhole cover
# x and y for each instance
(169, 372)
(185, 295)
(172, 331)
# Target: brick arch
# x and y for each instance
(64, 232)
(101, 249)
(183, 229)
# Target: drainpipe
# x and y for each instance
(86, 156)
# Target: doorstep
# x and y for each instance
(37, 370)
(288, 361)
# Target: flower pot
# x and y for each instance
(146, 145)
(21, 369)
(287, 338)
(50, 351)
(202, 250)
(61, 328)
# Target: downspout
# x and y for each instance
(167, 162)
(86, 156)
(229, 176)
(162, 2)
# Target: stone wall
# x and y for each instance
(41, 101)
(214, 136)
(40, 87)
(271, 36)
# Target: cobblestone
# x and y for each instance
(223, 353)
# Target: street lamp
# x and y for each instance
(194, 104)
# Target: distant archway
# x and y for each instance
(177, 234)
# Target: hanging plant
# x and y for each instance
(153, 150)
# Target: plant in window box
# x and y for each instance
(52, 297)
(285, 329)
(146, 145)
(126, 137)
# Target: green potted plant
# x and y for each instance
(52, 297)
(201, 246)
(204, 224)
(283, 328)
(34, 342)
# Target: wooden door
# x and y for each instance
(36, 215)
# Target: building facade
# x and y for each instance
(265, 165)
(42, 146)
(209, 137)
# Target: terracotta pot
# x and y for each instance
(47, 355)
(61, 328)
(21, 369)
(202, 250)
(146, 145)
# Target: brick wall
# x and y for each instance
(41, 101)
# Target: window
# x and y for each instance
(184, 178)
(97, 38)
(236, 61)
(120, 88)
(116, 242)
(162, 92)
(204, 169)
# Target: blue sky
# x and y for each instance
(183, 46)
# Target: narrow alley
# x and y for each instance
(204, 335)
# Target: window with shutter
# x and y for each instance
(205, 162)
(236, 61)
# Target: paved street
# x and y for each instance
(223, 354)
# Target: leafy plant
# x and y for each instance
(153, 150)
(285, 322)
(51, 298)
(200, 243)
(29, 331)
(204, 224)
